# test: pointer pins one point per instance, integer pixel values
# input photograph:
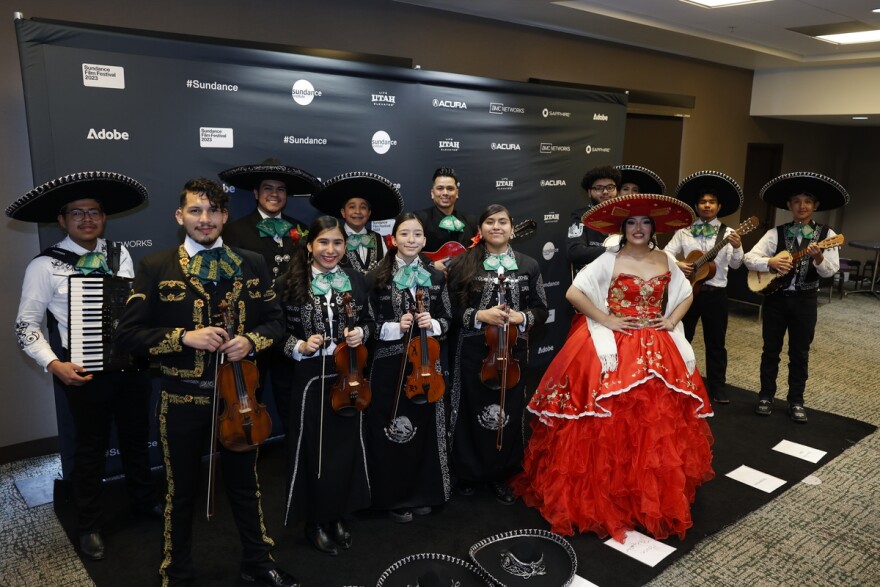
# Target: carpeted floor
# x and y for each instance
(811, 535)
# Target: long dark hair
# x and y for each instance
(386, 266)
(651, 245)
(295, 282)
(465, 267)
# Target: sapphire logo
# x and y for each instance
(549, 250)
(497, 108)
(505, 147)
(503, 184)
(454, 104)
(547, 113)
(552, 183)
(303, 92)
(590, 149)
(383, 99)
(107, 135)
(382, 142)
(551, 217)
(551, 148)
(448, 144)
(600, 117)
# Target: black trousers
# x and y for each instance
(710, 306)
(795, 314)
(123, 398)
(185, 432)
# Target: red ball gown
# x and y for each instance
(621, 450)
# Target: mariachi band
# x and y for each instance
(398, 363)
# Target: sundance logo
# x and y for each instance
(383, 99)
(505, 147)
(293, 140)
(448, 145)
(551, 148)
(107, 135)
(551, 218)
(454, 104)
(546, 349)
(382, 142)
(590, 149)
(549, 251)
(497, 108)
(504, 184)
(600, 117)
(547, 113)
(216, 138)
(552, 183)
(548, 284)
(303, 92)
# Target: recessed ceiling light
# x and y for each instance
(852, 38)
(860, 118)
(722, 3)
(876, 10)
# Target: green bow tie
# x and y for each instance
(703, 229)
(213, 265)
(452, 224)
(410, 275)
(492, 262)
(324, 282)
(273, 227)
(360, 240)
(93, 263)
(804, 230)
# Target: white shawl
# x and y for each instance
(595, 281)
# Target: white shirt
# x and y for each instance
(391, 330)
(45, 287)
(683, 243)
(757, 259)
(363, 252)
(276, 238)
(328, 350)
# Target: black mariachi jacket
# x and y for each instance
(243, 233)
(436, 237)
(165, 301)
(352, 258)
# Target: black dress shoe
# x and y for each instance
(91, 546)
(340, 534)
(797, 413)
(316, 534)
(276, 577)
(764, 407)
(503, 493)
(464, 488)
(719, 396)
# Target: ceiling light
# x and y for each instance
(722, 3)
(860, 118)
(852, 38)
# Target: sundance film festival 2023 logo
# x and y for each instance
(303, 92)
(382, 142)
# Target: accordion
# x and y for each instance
(95, 305)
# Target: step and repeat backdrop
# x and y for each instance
(164, 109)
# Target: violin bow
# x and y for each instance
(323, 373)
(503, 339)
(212, 461)
(403, 362)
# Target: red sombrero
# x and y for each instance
(669, 214)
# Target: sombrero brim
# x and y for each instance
(559, 559)
(669, 214)
(116, 192)
(694, 186)
(648, 181)
(249, 177)
(828, 192)
(407, 571)
(384, 198)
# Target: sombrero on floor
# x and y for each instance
(116, 192)
(828, 192)
(249, 177)
(384, 198)
(648, 181)
(433, 570)
(523, 558)
(669, 214)
(725, 188)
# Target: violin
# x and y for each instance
(498, 366)
(350, 392)
(244, 423)
(423, 383)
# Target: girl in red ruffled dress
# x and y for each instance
(621, 440)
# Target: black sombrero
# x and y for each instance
(828, 192)
(648, 181)
(384, 198)
(249, 177)
(695, 185)
(669, 214)
(433, 570)
(116, 192)
(526, 558)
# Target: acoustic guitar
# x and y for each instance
(453, 249)
(767, 282)
(704, 266)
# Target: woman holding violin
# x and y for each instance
(328, 315)
(498, 296)
(406, 428)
